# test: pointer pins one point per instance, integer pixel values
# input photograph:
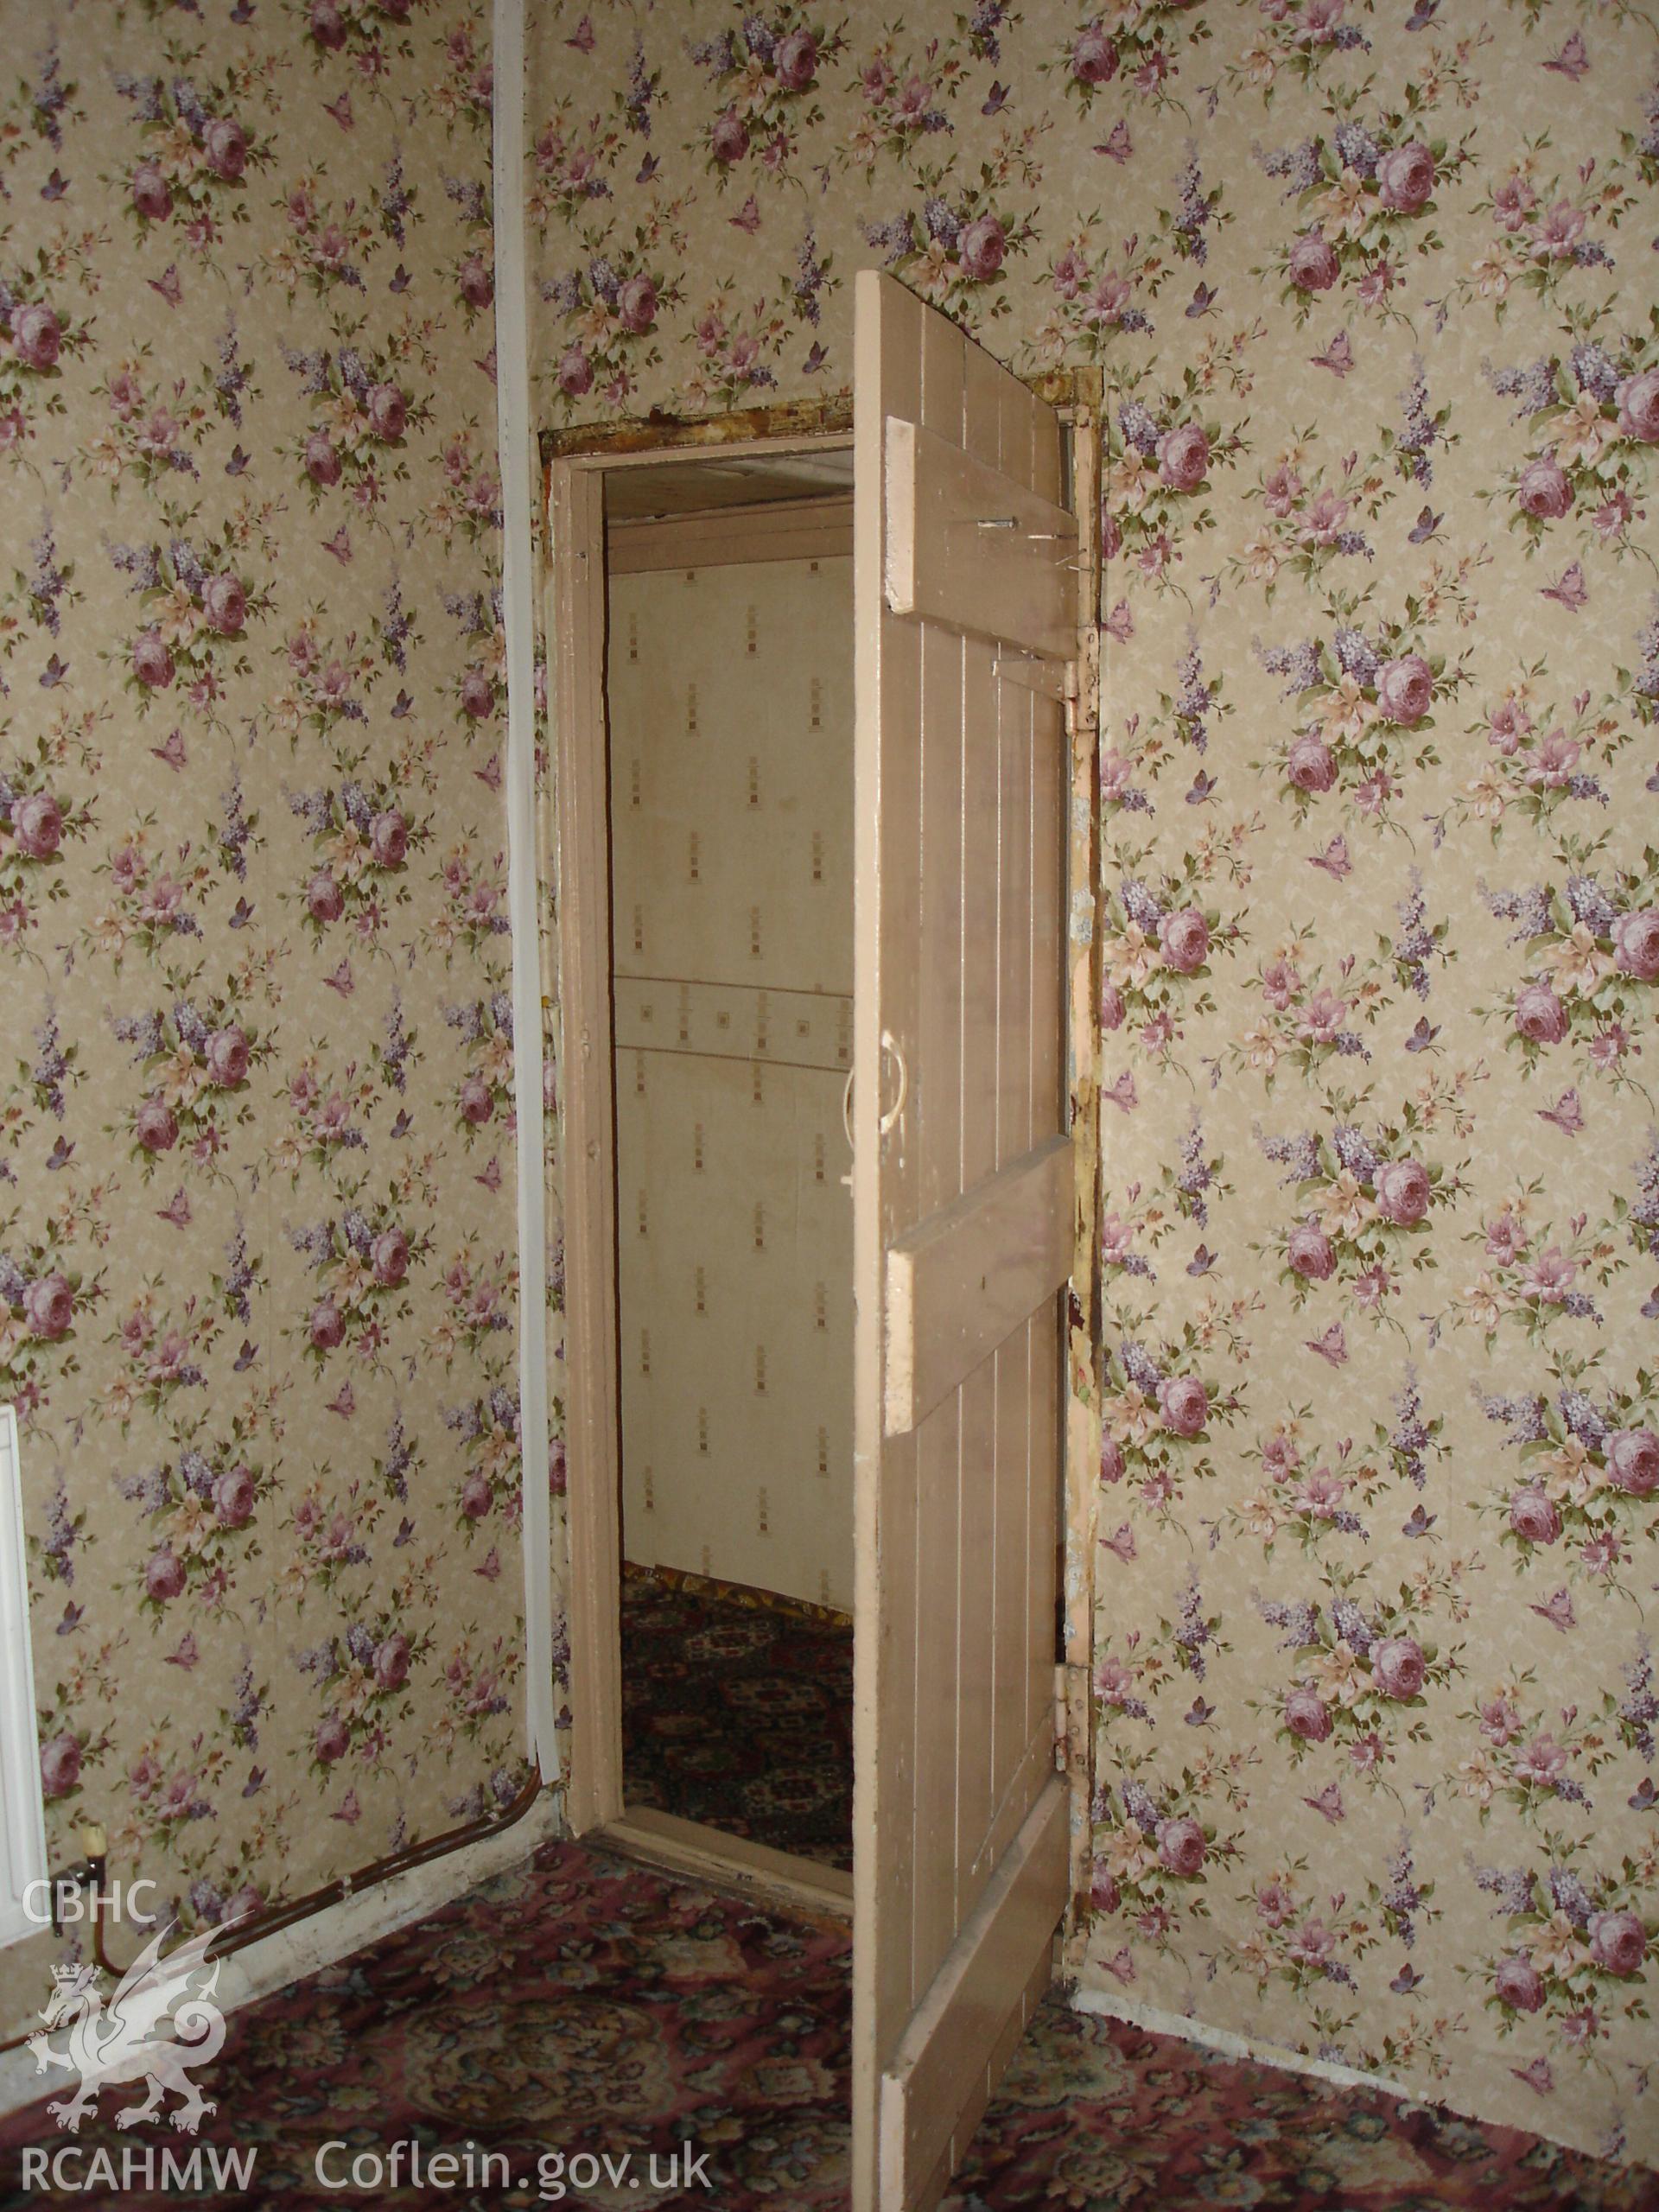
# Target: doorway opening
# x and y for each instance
(730, 699)
(706, 950)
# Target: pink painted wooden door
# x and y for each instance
(965, 615)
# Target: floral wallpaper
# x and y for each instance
(1373, 287)
(258, 1281)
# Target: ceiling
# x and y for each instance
(685, 487)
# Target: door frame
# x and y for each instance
(575, 463)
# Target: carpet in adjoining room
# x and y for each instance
(737, 1711)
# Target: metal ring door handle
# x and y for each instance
(890, 1048)
(889, 1045)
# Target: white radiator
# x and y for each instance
(23, 1835)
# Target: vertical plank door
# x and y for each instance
(965, 615)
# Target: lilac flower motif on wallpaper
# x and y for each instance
(468, 505)
(161, 1344)
(199, 1513)
(1362, 1201)
(763, 77)
(193, 1063)
(39, 820)
(1360, 1674)
(474, 913)
(1365, 197)
(361, 1260)
(43, 1088)
(1574, 1945)
(609, 314)
(1365, 708)
(1163, 450)
(367, 33)
(955, 248)
(1309, 1942)
(1311, 518)
(1093, 285)
(459, 97)
(1144, 45)
(195, 151)
(37, 600)
(362, 838)
(484, 1027)
(328, 1110)
(41, 107)
(481, 686)
(327, 1527)
(1156, 1849)
(361, 416)
(473, 274)
(195, 599)
(477, 1306)
(487, 1429)
(1313, 1493)
(147, 437)
(326, 680)
(328, 242)
(1585, 1477)
(572, 155)
(146, 904)
(479, 1676)
(1312, 1016)
(46, 1293)
(1158, 951)
(1291, 42)
(361, 1678)
(904, 94)
(1162, 1413)
(1588, 951)
(1592, 428)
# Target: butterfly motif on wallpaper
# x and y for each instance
(1567, 1114)
(1334, 858)
(1572, 61)
(1558, 1610)
(1118, 146)
(1568, 590)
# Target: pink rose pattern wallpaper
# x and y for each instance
(1373, 286)
(258, 1281)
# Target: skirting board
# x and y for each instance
(1158, 2023)
(290, 1955)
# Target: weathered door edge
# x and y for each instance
(1082, 1448)
(581, 876)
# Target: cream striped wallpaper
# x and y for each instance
(731, 770)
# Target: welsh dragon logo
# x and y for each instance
(154, 2029)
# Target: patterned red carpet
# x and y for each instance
(738, 1713)
(579, 2004)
